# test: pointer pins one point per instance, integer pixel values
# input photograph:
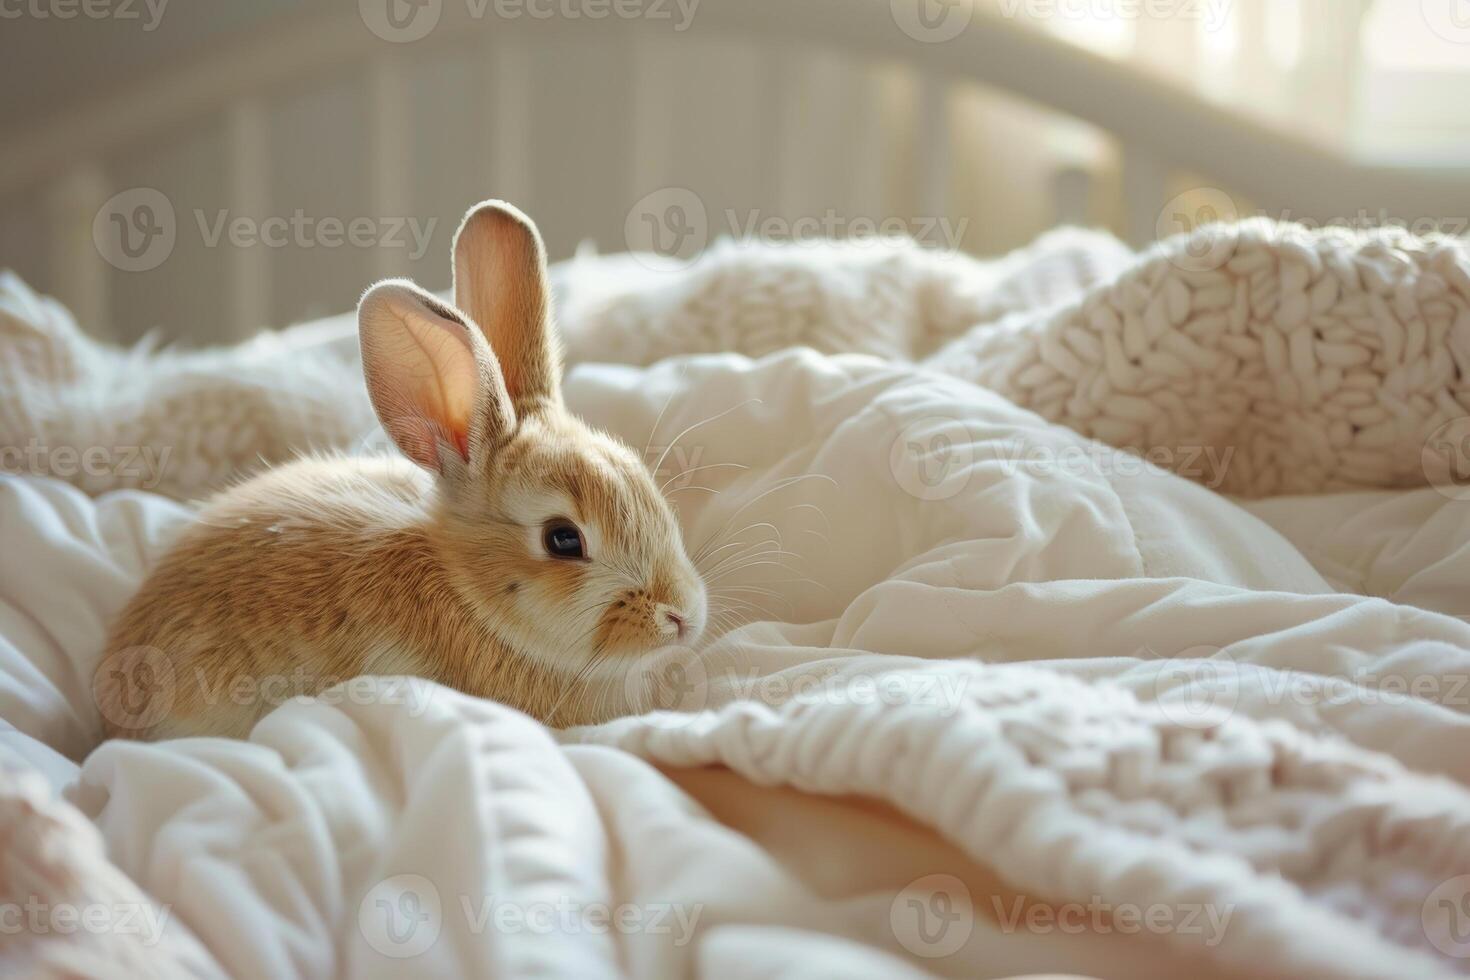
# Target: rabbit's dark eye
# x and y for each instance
(563, 540)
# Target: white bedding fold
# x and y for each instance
(1089, 678)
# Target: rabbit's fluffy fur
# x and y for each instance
(327, 568)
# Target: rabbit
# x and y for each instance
(512, 553)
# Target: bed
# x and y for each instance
(1032, 659)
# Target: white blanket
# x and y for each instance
(1210, 738)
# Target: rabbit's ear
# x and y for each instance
(434, 384)
(500, 281)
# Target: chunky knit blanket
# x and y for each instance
(1110, 686)
(1321, 360)
(1318, 360)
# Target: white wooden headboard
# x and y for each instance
(841, 111)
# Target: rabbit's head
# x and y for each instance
(553, 531)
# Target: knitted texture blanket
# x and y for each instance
(1322, 360)
(1319, 360)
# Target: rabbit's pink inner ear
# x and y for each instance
(500, 280)
(419, 363)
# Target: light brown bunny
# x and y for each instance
(522, 558)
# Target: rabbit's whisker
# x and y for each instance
(734, 408)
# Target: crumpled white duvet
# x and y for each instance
(1002, 702)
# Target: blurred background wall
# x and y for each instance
(206, 168)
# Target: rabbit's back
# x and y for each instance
(307, 575)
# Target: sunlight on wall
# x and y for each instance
(1372, 77)
(1108, 35)
(1284, 33)
(1412, 36)
(1416, 82)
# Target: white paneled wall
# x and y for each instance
(576, 129)
(763, 109)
